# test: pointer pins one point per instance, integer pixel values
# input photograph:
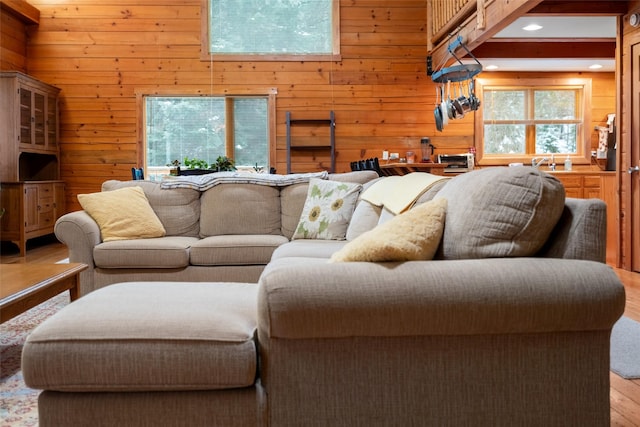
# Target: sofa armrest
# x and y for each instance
(309, 298)
(413, 343)
(81, 234)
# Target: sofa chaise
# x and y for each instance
(503, 317)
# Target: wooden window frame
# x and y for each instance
(205, 55)
(269, 93)
(583, 144)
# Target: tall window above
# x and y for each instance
(536, 118)
(206, 127)
(273, 29)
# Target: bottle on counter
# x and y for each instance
(567, 163)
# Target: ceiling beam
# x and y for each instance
(580, 8)
(498, 15)
(555, 48)
(23, 10)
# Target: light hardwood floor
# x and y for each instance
(625, 394)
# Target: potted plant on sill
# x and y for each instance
(224, 164)
(200, 167)
(174, 167)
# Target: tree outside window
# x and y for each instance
(204, 128)
(273, 28)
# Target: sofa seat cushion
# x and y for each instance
(237, 249)
(308, 248)
(148, 336)
(163, 252)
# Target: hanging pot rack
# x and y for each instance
(460, 72)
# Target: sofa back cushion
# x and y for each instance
(357, 177)
(500, 212)
(178, 209)
(240, 209)
(293, 197)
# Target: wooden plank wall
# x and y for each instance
(13, 42)
(101, 53)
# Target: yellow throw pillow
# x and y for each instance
(411, 236)
(122, 214)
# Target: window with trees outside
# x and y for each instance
(206, 127)
(533, 119)
(278, 29)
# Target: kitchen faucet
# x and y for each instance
(536, 164)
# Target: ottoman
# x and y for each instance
(149, 353)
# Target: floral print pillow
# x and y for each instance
(327, 210)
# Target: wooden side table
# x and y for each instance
(23, 286)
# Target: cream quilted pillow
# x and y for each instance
(122, 214)
(411, 236)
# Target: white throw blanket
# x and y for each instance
(398, 193)
(204, 182)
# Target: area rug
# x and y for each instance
(625, 348)
(18, 403)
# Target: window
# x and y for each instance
(533, 119)
(273, 29)
(205, 127)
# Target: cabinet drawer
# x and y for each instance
(45, 205)
(571, 181)
(592, 181)
(45, 191)
(575, 193)
(45, 219)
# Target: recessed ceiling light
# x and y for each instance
(595, 66)
(532, 27)
(491, 67)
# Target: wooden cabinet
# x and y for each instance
(29, 141)
(31, 209)
(596, 185)
(320, 136)
(31, 193)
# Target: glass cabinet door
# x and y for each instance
(52, 122)
(26, 104)
(39, 100)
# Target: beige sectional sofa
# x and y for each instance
(509, 324)
(226, 233)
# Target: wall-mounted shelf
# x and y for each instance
(316, 140)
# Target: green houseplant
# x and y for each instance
(224, 163)
(197, 166)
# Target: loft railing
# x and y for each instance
(446, 15)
